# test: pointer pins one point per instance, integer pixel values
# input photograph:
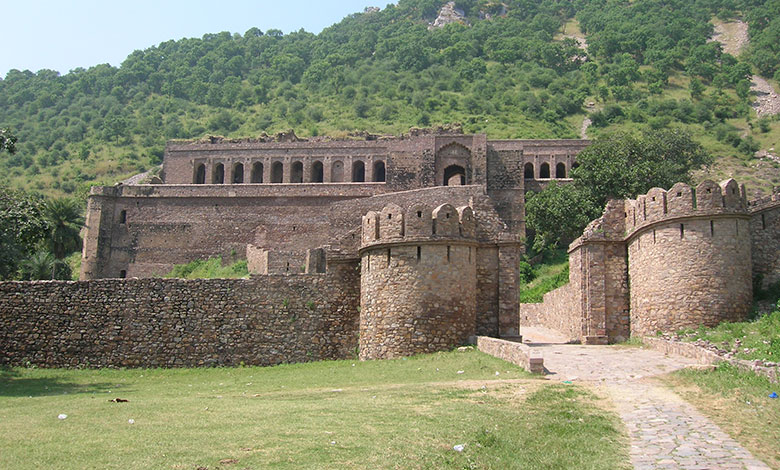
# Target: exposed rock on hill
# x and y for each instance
(449, 13)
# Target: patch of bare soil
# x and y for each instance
(767, 101)
(733, 35)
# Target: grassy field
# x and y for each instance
(739, 403)
(338, 414)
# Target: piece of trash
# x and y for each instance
(353, 365)
(131, 421)
(119, 400)
(460, 372)
(567, 381)
(773, 395)
(62, 416)
(333, 443)
(498, 373)
(337, 390)
(459, 447)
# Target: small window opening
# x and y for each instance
(712, 228)
(653, 236)
(709, 190)
(733, 190)
(123, 217)
(448, 253)
(763, 221)
(682, 231)
(469, 255)
(737, 224)
(447, 216)
(368, 263)
(293, 228)
(123, 274)
(419, 214)
(287, 268)
(679, 194)
(388, 258)
(389, 216)
(653, 198)
(419, 253)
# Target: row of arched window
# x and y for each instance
(544, 171)
(317, 173)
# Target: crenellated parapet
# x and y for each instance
(682, 201)
(418, 223)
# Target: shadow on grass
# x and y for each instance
(13, 384)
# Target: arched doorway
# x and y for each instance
(317, 173)
(454, 175)
(337, 172)
(379, 172)
(358, 172)
(544, 170)
(218, 176)
(257, 172)
(528, 171)
(200, 174)
(277, 172)
(296, 172)
(560, 170)
(238, 173)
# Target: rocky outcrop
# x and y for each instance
(449, 13)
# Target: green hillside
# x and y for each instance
(513, 70)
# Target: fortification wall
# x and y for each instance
(418, 280)
(765, 237)
(689, 257)
(180, 323)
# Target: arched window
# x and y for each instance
(317, 173)
(218, 176)
(257, 172)
(358, 172)
(528, 171)
(337, 172)
(379, 172)
(560, 170)
(200, 174)
(454, 175)
(277, 172)
(296, 172)
(544, 170)
(238, 173)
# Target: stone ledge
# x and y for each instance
(510, 351)
(707, 357)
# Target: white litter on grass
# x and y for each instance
(498, 373)
(62, 416)
(460, 372)
(131, 421)
(333, 443)
(459, 447)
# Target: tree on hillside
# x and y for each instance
(65, 221)
(22, 228)
(7, 141)
(619, 165)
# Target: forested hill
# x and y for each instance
(517, 69)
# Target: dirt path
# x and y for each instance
(665, 431)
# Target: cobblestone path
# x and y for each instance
(666, 432)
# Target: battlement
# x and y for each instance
(419, 223)
(766, 202)
(681, 201)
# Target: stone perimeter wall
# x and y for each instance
(180, 323)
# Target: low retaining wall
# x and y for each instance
(510, 351)
(705, 356)
(559, 311)
(179, 323)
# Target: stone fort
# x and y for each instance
(377, 247)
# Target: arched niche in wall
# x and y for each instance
(238, 173)
(358, 171)
(317, 172)
(379, 172)
(277, 172)
(200, 174)
(257, 172)
(450, 156)
(454, 175)
(528, 171)
(218, 175)
(337, 171)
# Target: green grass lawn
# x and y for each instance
(340, 414)
(739, 403)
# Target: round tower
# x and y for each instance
(418, 280)
(689, 257)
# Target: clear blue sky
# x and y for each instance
(62, 35)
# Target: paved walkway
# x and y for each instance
(665, 431)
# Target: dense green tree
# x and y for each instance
(43, 265)
(558, 213)
(22, 228)
(7, 141)
(64, 218)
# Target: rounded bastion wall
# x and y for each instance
(689, 257)
(418, 281)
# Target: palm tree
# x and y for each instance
(65, 221)
(43, 265)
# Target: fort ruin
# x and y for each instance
(377, 248)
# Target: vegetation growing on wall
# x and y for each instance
(211, 268)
